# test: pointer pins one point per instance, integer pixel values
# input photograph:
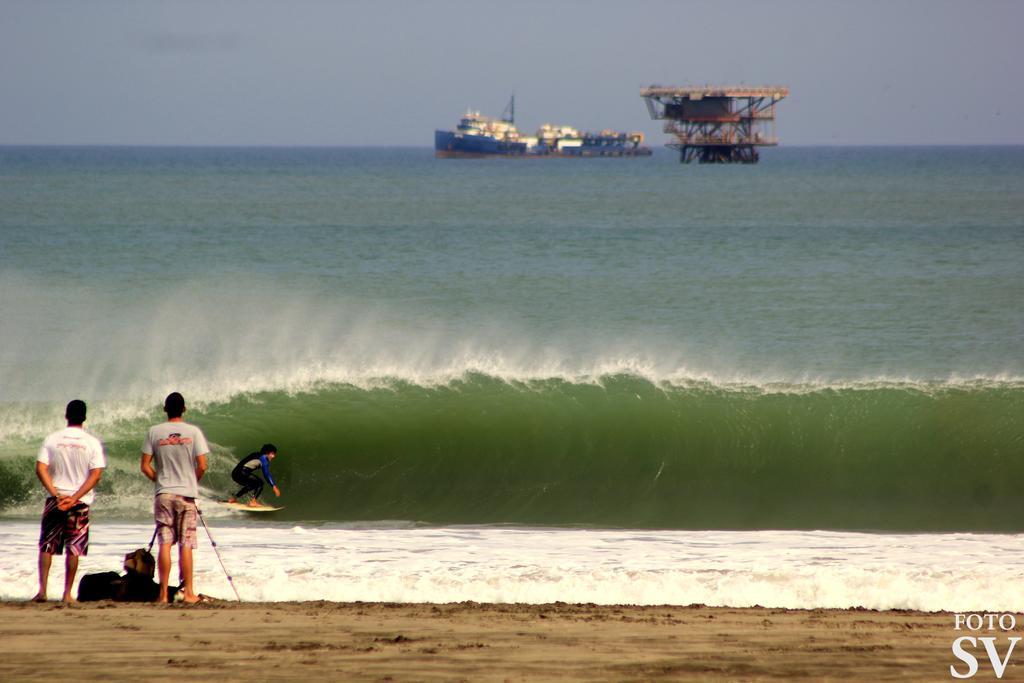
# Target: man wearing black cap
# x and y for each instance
(245, 474)
(69, 465)
(174, 457)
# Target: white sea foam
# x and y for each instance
(959, 572)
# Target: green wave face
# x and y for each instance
(630, 453)
(625, 452)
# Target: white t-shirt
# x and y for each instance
(70, 453)
(175, 446)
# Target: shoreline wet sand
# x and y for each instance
(324, 641)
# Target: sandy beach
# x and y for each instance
(322, 641)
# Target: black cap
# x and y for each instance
(75, 412)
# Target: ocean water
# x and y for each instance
(829, 342)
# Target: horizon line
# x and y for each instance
(430, 147)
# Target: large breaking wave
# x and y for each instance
(616, 450)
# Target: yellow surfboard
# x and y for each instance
(250, 508)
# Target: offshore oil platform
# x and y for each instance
(717, 124)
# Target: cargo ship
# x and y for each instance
(479, 136)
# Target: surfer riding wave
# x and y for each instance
(245, 474)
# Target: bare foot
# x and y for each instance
(232, 500)
(38, 597)
(68, 600)
(190, 599)
(255, 503)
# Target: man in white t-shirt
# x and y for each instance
(174, 457)
(69, 465)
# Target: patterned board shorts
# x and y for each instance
(175, 519)
(64, 528)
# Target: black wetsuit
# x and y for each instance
(245, 474)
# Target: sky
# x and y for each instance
(385, 72)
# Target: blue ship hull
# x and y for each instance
(451, 144)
